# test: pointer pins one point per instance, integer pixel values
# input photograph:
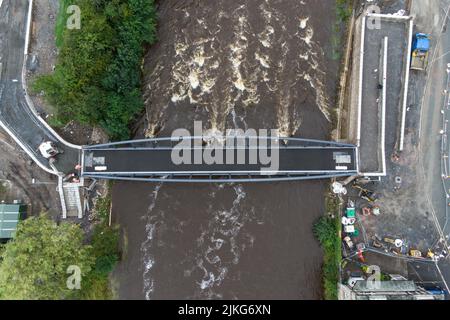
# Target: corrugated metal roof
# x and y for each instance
(10, 214)
(385, 286)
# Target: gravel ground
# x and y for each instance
(406, 212)
(16, 174)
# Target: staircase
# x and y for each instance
(70, 197)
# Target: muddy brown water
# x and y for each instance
(231, 64)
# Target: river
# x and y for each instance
(230, 64)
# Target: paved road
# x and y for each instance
(432, 104)
(15, 113)
(433, 19)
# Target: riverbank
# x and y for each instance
(328, 228)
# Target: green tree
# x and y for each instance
(34, 264)
(97, 80)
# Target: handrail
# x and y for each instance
(190, 179)
(175, 139)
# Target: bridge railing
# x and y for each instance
(229, 176)
(223, 178)
(244, 142)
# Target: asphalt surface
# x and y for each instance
(14, 110)
(434, 115)
(160, 161)
(370, 149)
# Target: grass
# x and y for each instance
(61, 22)
(327, 230)
(344, 11)
(343, 14)
(54, 122)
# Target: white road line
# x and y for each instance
(433, 210)
(442, 276)
(428, 77)
(422, 119)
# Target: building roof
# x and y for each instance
(10, 214)
(385, 286)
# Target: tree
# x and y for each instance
(97, 80)
(34, 265)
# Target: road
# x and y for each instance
(433, 87)
(16, 115)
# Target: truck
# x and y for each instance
(420, 51)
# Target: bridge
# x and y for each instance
(151, 160)
(140, 160)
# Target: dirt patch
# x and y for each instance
(23, 180)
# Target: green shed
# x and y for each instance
(10, 215)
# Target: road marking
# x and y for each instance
(442, 276)
(420, 147)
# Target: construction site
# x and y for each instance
(394, 214)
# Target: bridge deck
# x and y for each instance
(147, 162)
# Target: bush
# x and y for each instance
(105, 243)
(326, 231)
(105, 252)
(97, 78)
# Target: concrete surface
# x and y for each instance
(370, 149)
